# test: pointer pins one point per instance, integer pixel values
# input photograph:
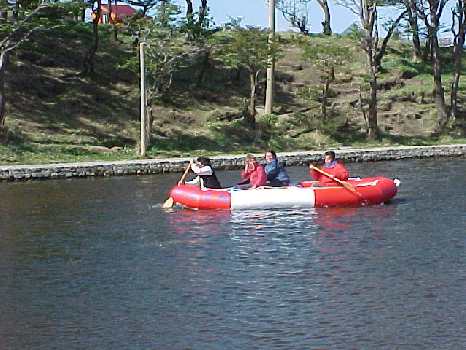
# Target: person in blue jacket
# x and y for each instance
(276, 174)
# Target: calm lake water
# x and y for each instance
(97, 264)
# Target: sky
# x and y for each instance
(254, 12)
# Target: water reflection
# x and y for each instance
(311, 238)
(197, 223)
(321, 221)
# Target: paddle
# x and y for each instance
(346, 185)
(170, 202)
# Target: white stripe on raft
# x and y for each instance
(277, 197)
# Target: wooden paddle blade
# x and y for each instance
(169, 203)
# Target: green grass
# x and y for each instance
(39, 154)
(32, 153)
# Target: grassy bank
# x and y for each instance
(56, 115)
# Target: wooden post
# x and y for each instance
(143, 140)
(271, 67)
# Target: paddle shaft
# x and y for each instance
(170, 202)
(183, 177)
(346, 185)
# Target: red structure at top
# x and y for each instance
(117, 15)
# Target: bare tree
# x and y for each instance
(88, 66)
(248, 48)
(374, 49)
(195, 27)
(325, 56)
(269, 93)
(146, 5)
(198, 31)
(411, 11)
(296, 13)
(326, 27)
(413, 28)
(202, 12)
(190, 12)
(431, 13)
(83, 10)
(14, 37)
(112, 19)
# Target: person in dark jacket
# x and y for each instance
(276, 174)
(205, 173)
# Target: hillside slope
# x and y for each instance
(54, 114)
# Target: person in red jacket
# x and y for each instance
(331, 167)
(253, 174)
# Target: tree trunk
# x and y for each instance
(115, 33)
(301, 24)
(237, 76)
(89, 58)
(412, 20)
(325, 90)
(83, 11)
(373, 128)
(326, 28)
(16, 11)
(454, 91)
(323, 106)
(163, 13)
(270, 82)
(114, 12)
(114, 23)
(189, 12)
(368, 17)
(3, 65)
(202, 13)
(442, 111)
(110, 8)
(251, 117)
(204, 66)
(379, 52)
(457, 55)
(427, 55)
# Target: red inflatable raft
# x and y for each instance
(366, 191)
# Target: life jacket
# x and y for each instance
(337, 169)
(210, 181)
(276, 172)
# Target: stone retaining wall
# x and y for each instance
(158, 166)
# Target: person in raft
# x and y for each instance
(253, 174)
(276, 174)
(332, 167)
(205, 173)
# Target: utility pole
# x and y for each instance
(143, 141)
(271, 66)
